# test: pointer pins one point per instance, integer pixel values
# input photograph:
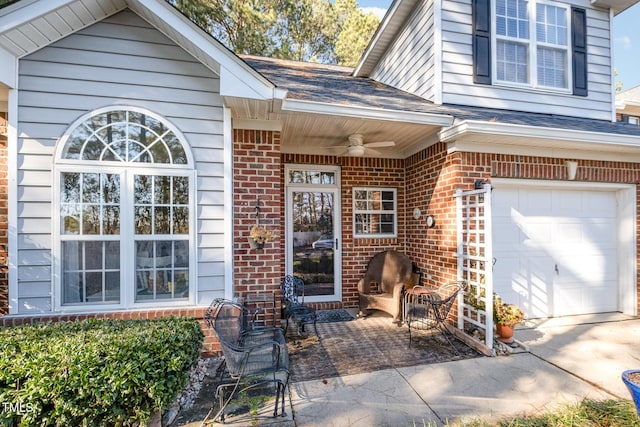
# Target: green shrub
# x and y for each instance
(95, 372)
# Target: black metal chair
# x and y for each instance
(429, 308)
(252, 357)
(293, 306)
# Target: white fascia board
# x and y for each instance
(9, 69)
(19, 13)
(301, 106)
(382, 28)
(237, 83)
(524, 131)
(237, 78)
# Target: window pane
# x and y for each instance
(72, 257)
(162, 190)
(110, 188)
(124, 136)
(511, 62)
(90, 187)
(156, 274)
(180, 190)
(93, 255)
(180, 220)
(181, 253)
(142, 189)
(142, 220)
(551, 24)
(162, 220)
(371, 218)
(70, 191)
(512, 19)
(91, 219)
(94, 286)
(112, 255)
(70, 217)
(552, 65)
(311, 177)
(111, 222)
(72, 291)
(84, 275)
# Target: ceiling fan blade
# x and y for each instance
(378, 144)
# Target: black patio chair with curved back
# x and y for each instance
(429, 308)
(252, 357)
(293, 306)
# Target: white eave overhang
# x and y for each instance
(392, 22)
(361, 112)
(617, 6)
(484, 136)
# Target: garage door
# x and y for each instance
(555, 250)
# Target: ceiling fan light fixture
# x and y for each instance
(355, 150)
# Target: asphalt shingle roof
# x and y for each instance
(336, 85)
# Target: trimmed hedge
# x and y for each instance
(95, 372)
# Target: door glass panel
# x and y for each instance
(314, 240)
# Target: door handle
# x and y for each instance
(336, 243)
(557, 270)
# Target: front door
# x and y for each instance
(313, 230)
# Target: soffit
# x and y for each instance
(617, 6)
(321, 105)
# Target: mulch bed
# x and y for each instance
(366, 345)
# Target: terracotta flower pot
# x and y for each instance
(505, 333)
(633, 386)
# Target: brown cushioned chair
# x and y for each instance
(381, 288)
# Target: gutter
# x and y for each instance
(359, 112)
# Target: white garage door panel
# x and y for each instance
(555, 250)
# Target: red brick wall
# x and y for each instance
(257, 181)
(433, 176)
(360, 172)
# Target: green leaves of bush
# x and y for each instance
(95, 372)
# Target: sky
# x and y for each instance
(626, 40)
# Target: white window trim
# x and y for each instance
(127, 249)
(532, 43)
(395, 213)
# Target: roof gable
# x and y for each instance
(29, 25)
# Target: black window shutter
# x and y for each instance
(481, 16)
(579, 50)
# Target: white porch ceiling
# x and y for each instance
(323, 134)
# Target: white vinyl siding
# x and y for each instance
(409, 63)
(119, 61)
(457, 75)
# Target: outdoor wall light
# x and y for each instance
(431, 221)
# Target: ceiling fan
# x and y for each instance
(357, 147)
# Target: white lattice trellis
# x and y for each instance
(475, 262)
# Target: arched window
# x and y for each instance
(125, 185)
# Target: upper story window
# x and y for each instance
(528, 43)
(374, 212)
(125, 223)
(532, 51)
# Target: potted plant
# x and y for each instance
(631, 379)
(258, 236)
(505, 317)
